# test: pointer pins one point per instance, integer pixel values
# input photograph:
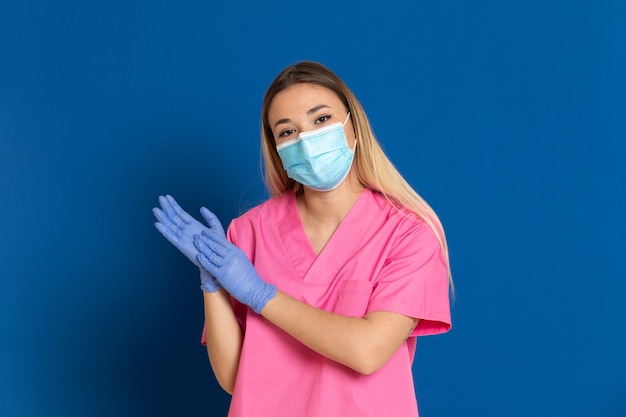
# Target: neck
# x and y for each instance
(329, 207)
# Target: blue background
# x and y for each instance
(507, 116)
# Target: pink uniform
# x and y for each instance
(378, 259)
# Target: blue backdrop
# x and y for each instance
(508, 117)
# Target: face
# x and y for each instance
(305, 107)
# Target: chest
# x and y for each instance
(340, 276)
(318, 237)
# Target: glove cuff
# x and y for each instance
(258, 299)
(208, 283)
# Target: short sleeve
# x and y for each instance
(414, 281)
(239, 309)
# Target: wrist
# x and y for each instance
(208, 283)
(260, 298)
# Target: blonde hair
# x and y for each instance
(373, 168)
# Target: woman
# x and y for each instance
(314, 299)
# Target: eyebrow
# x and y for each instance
(311, 111)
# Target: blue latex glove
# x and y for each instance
(233, 270)
(178, 227)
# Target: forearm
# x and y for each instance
(362, 344)
(224, 338)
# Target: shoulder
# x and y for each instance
(397, 215)
(272, 208)
(406, 226)
(259, 222)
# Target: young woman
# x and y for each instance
(314, 299)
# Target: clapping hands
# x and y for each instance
(178, 227)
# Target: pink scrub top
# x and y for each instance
(378, 259)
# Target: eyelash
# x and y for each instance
(285, 133)
(288, 132)
(325, 117)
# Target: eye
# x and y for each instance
(286, 133)
(322, 119)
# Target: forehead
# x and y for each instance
(301, 98)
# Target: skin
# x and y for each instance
(362, 344)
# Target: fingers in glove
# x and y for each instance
(214, 252)
(166, 207)
(215, 238)
(218, 244)
(204, 247)
(170, 212)
(186, 217)
(167, 232)
(160, 216)
(212, 220)
(166, 224)
(207, 264)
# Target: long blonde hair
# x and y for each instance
(374, 170)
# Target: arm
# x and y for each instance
(222, 331)
(224, 338)
(362, 344)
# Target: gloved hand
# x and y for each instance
(178, 227)
(233, 270)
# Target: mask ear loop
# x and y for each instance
(345, 121)
(344, 124)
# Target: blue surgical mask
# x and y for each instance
(319, 159)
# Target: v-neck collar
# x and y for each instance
(299, 249)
